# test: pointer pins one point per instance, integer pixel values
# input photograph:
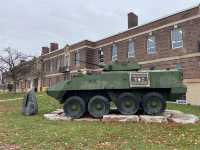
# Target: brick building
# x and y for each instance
(28, 76)
(167, 43)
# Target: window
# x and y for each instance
(66, 61)
(179, 67)
(101, 56)
(56, 64)
(152, 68)
(151, 45)
(131, 49)
(177, 38)
(199, 47)
(51, 65)
(77, 58)
(114, 52)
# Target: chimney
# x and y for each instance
(53, 46)
(45, 50)
(132, 20)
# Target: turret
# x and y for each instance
(122, 67)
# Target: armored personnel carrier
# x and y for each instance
(128, 87)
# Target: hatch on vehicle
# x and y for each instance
(139, 79)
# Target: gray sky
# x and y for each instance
(28, 25)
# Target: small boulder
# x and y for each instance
(55, 117)
(184, 118)
(153, 119)
(120, 118)
(86, 120)
(169, 113)
(58, 111)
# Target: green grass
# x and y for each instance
(38, 133)
(4, 96)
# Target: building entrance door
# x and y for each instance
(35, 84)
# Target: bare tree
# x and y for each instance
(9, 61)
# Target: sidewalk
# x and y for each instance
(14, 99)
(11, 99)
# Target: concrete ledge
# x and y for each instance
(184, 118)
(120, 118)
(153, 119)
(169, 116)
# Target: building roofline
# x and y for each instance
(83, 41)
(164, 17)
(107, 37)
(52, 52)
(149, 22)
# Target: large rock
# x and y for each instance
(120, 118)
(87, 120)
(169, 113)
(30, 106)
(183, 118)
(153, 119)
(56, 117)
(58, 111)
(168, 116)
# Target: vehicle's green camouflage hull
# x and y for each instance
(130, 90)
(120, 80)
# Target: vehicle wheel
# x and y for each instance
(98, 106)
(128, 103)
(74, 107)
(153, 103)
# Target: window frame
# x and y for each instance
(132, 53)
(198, 46)
(179, 66)
(149, 49)
(175, 42)
(100, 56)
(77, 58)
(114, 57)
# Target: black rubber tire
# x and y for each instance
(101, 102)
(79, 107)
(128, 103)
(153, 103)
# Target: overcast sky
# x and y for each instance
(28, 25)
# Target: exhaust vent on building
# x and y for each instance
(132, 20)
(53, 46)
(45, 50)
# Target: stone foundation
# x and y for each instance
(169, 116)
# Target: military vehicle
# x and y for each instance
(131, 89)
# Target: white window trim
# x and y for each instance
(114, 57)
(132, 53)
(149, 51)
(172, 42)
(77, 61)
(100, 49)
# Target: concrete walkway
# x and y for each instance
(11, 99)
(14, 99)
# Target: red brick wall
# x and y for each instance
(49, 81)
(158, 23)
(191, 67)
(191, 39)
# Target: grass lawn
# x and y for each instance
(38, 133)
(4, 96)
